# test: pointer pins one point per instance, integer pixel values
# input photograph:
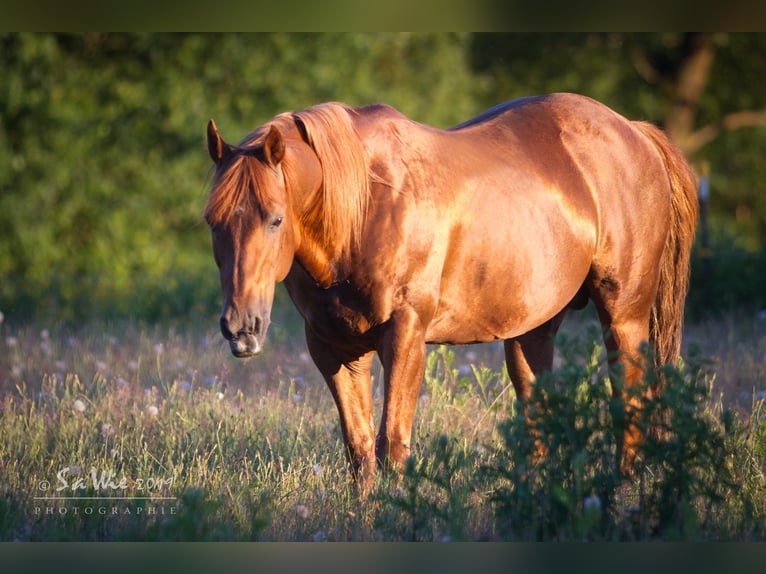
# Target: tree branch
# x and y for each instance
(730, 122)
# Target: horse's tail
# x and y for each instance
(666, 320)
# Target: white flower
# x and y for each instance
(79, 406)
(317, 468)
(219, 395)
(152, 411)
(592, 503)
(107, 430)
(302, 510)
(11, 341)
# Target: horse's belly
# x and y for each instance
(492, 302)
(456, 327)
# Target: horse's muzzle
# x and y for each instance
(243, 342)
(245, 345)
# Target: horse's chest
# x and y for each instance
(338, 313)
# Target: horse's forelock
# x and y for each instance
(235, 181)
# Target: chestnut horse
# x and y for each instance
(390, 234)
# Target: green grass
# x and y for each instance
(252, 450)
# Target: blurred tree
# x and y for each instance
(103, 171)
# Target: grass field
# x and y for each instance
(123, 432)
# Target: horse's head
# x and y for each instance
(253, 227)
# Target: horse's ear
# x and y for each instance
(274, 146)
(216, 147)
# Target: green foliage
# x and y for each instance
(432, 500)
(103, 170)
(726, 275)
(560, 469)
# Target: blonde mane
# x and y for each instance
(346, 188)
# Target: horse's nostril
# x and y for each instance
(227, 334)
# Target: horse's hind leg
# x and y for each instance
(526, 357)
(624, 314)
(530, 354)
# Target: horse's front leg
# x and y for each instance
(348, 378)
(402, 352)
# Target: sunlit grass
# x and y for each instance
(210, 448)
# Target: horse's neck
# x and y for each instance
(321, 264)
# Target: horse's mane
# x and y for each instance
(346, 188)
(342, 203)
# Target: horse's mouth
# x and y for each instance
(245, 345)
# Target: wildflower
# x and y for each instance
(79, 406)
(297, 398)
(152, 411)
(317, 468)
(219, 395)
(45, 334)
(302, 510)
(184, 386)
(107, 430)
(75, 470)
(158, 348)
(11, 341)
(592, 503)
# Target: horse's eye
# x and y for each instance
(276, 222)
